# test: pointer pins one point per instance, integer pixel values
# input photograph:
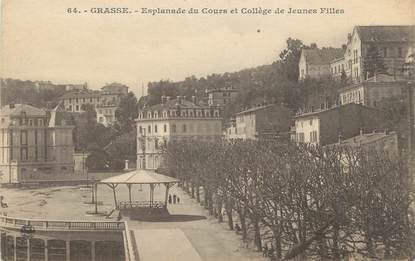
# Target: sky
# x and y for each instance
(41, 41)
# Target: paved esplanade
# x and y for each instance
(189, 232)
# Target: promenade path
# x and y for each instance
(187, 235)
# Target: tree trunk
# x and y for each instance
(198, 192)
(193, 190)
(206, 197)
(241, 215)
(277, 242)
(230, 218)
(219, 210)
(257, 235)
(210, 204)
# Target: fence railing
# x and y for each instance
(141, 204)
(62, 225)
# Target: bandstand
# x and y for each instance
(140, 177)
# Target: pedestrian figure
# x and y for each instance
(169, 198)
(119, 217)
(237, 228)
(265, 250)
(174, 198)
(271, 253)
(178, 200)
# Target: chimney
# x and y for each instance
(167, 98)
(126, 165)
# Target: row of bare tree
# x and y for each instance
(316, 202)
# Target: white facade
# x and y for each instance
(307, 130)
(159, 124)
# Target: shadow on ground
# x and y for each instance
(158, 215)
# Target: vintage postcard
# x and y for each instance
(207, 130)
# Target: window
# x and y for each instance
(23, 154)
(155, 128)
(165, 128)
(385, 52)
(149, 129)
(311, 122)
(23, 137)
(313, 136)
(173, 128)
(83, 99)
(77, 100)
(399, 51)
(70, 100)
(140, 129)
(70, 107)
(90, 99)
(184, 128)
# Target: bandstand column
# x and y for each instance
(129, 192)
(28, 249)
(15, 248)
(46, 250)
(68, 250)
(167, 193)
(93, 251)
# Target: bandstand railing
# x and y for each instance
(141, 204)
(62, 225)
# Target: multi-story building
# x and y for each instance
(370, 93)
(115, 88)
(373, 141)
(105, 102)
(264, 122)
(221, 96)
(75, 101)
(331, 125)
(173, 120)
(35, 144)
(315, 62)
(392, 42)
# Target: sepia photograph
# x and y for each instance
(207, 130)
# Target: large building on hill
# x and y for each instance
(315, 62)
(221, 96)
(328, 126)
(105, 102)
(393, 43)
(269, 121)
(35, 144)
(371, 93)
(173, 120)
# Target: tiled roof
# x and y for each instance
(398, 33)
(18, 109)
(366, 138)
(60, 117)
(172, 104)
(81, 94)
(322, 56)
(255, 109)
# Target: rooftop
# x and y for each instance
(365, 139)
(341, 107)
(389, 33)
(173, 104)
(322, 56)
(18, 109)
(81, 94)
